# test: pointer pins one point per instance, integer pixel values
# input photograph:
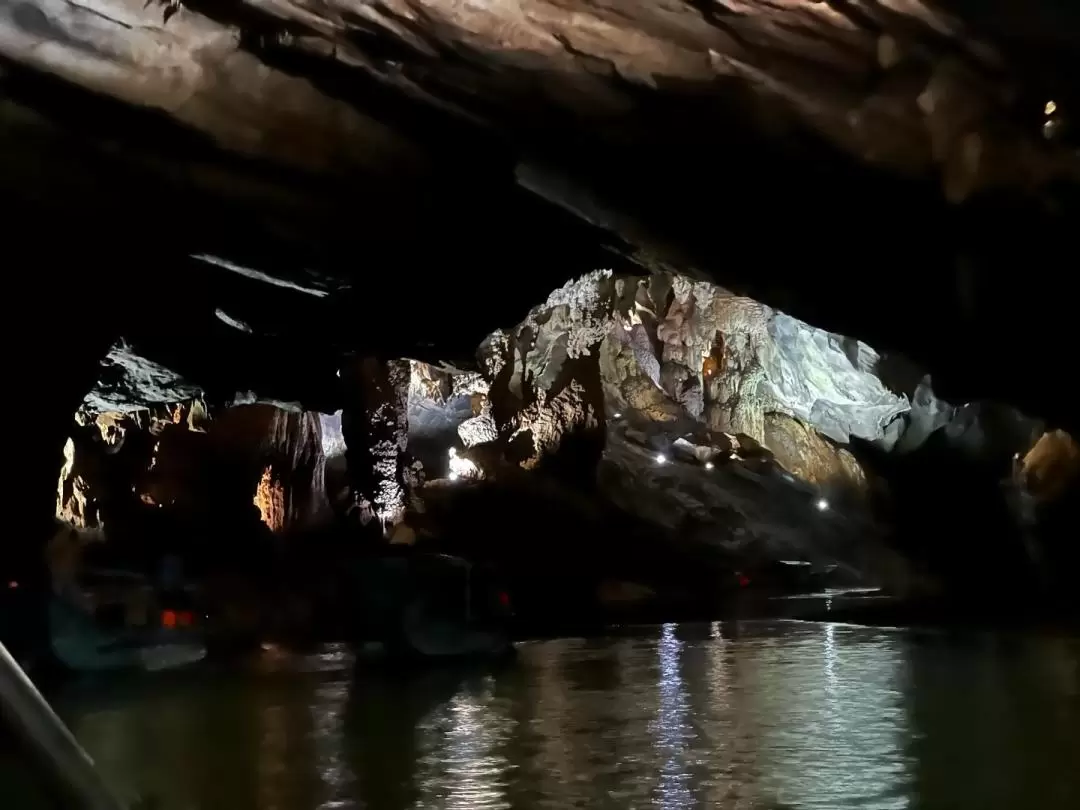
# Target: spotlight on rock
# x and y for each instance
(661, 458)
(822, 505)
(462, 467)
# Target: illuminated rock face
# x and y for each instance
(1051, 468)
(117, 464)
(288, 460)
(805, 453)
(270, 499)
(375, 425)
(546, 393)
(679, 350)
(681, 130)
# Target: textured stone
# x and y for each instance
(113, 466)
(478, 430)
(810, 456)
(759, 360)
(1051, 468)
(376, 431)
(225, 113)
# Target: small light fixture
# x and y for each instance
(822, 505)
(661, 458)
(338, 372)
(709, 465)
(617, 415)
(1050, 108)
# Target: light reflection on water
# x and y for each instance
(767, 715)
(461, 765)
(671, 731)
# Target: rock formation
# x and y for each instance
(305, 173)
(1051, 468)
(731, 434)
(179, 457)
(677, 350)
(942, 133)
(287, 448)
(375, 427)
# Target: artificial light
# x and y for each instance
(1051, 107)
(709, 465)
(461, 467)
(661, 458)
(822, 504)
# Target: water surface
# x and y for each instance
(745, 715)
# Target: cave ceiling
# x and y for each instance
(403, 176)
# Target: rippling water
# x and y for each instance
(750, 715)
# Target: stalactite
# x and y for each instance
(270, 499)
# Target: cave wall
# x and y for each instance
(723, 380)
(173, 469)
(678, 349)
(375, 427)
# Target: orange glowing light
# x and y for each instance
(168, 618)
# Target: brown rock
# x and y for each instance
(270, 499)
(805, 453)
(1052, 466)
(749, 447)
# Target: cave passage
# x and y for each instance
(418, 332)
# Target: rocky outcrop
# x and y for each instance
(1051, 468)
(807, 454)
(545, 392)
(284, 455)
(684, 351)
(251, 122)
(742, 507)
(375, 427)
(270, 499)
(179, 458)
(445, 404)
(128, 382)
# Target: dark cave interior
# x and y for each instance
(287, 262)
